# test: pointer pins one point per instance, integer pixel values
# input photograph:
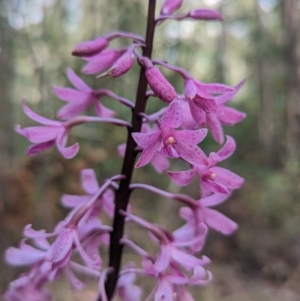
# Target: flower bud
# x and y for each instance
(205, 14)
(90, 47)
(159, 85)
(170, 6)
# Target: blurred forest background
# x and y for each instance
(259, 40)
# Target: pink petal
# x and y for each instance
(131, 293)
(169, 151)
(182, 178)
(192, 154)
(90, 47)
(29, 232)
(215, 88)
(228, 148)
(73, 108)
(184, 233)
(219, 222)
(198, 114)
(169, 6)
(102, 111)
(77, 82)
(214, 186)
(205, 14)
(215, 128)
(190, 89)
(39, 134)
(163, 260)
(231, 116)
(68, 152)
(187, 213)
(188, 121)
(204, 189)
(186, 260)
(101, 62)
(190, 136)
(160, 163)
(164, 291)
(89, 181)
(145, 140)
(18, 257)
(37, 148)
(227, 178)
(71, 201)
(213, 159)
(70, 94)
(61, 247)
(184, 295)
(207, 105)
(173, 115)
(148, 154)
(229, 96)
(214, 199)
(32, 115)
(76, 283)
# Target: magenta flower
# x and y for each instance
(171, 252)
(79, 100)
(202, 213)
(218, 114)
(56, 132)
(171, 143)
(44, 137)
(90, 185)
(169, 283)
(159, 162)
(212, 178)
(228, 116)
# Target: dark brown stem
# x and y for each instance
(123, 193)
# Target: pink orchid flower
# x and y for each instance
(79, 99)
(159, 162)
(170, 142)
(56, 132)
(212, 178)
(202, 213)
(218, 115)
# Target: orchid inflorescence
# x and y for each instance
(175, 132)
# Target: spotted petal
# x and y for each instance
(145, 140)
(173, 116)
(182, 178)
(215, 127)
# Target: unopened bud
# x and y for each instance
(90, 47)
(159, 85)
(205, 14)
(170, 6)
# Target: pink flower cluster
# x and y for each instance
(174, 132)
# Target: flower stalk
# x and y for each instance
(123, 193)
